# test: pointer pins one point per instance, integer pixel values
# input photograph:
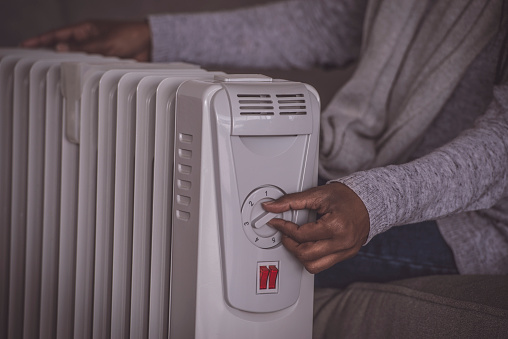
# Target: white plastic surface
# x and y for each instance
(19, 190)
(6, 116)
(124, 195)
(67, 211)
(85, 205)
(161, 214)
(112, 282)
(71, 279)
(232, 169)
(162, 198)
(23, 128)
(142, 206)
(51, 204)
(68, 241)
(242, 78)
(150, 268)
(18, 195)
(284, 162)
(36, 186)
(284, 109)
(75, 74)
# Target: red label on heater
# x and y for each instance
(267, 277)
(263, 277)
(272, 280)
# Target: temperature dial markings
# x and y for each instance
(254, 217)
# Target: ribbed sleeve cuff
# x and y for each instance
(364, 185)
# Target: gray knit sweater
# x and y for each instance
(457, 173)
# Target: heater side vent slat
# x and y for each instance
(292, 104)
(184, 169)
(182, 215)
(183, 200)
(289, 95)
(185, 138)
(302, 101)
(255, 104)
(185, 153)
(253, 95)
(257, 113)
(184, 176)
(256, 107)
(292, 107)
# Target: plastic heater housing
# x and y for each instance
(253, 139)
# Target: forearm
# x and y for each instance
(295, 34)
(469, 173)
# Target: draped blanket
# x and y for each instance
(414, 53)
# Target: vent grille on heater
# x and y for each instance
(292, 104)
(184, 176)
(256, 104)
(263, 104)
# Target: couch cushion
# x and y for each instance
(428, 307)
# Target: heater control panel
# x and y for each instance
(240, 141)
(265, 146)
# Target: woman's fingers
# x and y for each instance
(64, 35)
(340, 232)
(111, 38)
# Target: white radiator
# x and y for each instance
(130, 199)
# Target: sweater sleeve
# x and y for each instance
(294, 34)
(469, 173)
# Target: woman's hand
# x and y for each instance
(338, 235)
(124, 39)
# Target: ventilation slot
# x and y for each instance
(291, 104)
(253, 95)
(255, 104)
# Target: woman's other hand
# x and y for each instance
(124, 39)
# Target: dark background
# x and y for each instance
(20, 19)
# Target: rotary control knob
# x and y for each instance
(254, 217)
